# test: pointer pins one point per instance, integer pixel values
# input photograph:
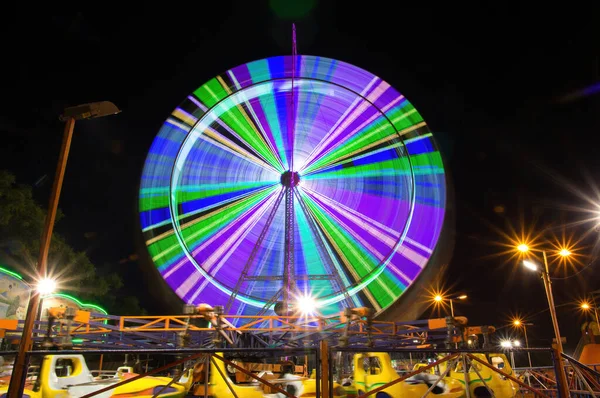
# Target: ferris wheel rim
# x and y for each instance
(325, 299)
(403, 226)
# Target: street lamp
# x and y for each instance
(531, 265)
(507, 344)
(461, 297)
(518, 323)
(46, 286)
(69, 116)
(438, 298)
(586, 307)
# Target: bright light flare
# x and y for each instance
(46, 286)
(462, 297)
(585, 306)
(517, 322)
(306, 305)
(505, 344)
(516, 343)
(438, 299)
(564, 252)
(523, 248)
(530, 265)
(568, 255)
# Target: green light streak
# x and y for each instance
(211, 93)
(77, 301)
(257, 70)
(233, 117)
(11, 273)
(369, 135)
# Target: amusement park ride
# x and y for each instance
(300, 197)
(204, 334)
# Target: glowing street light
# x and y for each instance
(519, 323)
(69, 116)
(530, 265)
(509, 344)
(438, 298)
(461, 297)
(564, 252)
(46, 286)
(586, 307)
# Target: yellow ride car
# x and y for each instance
(501, 386)
(68, 376)
(374, 369)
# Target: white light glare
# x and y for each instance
(505, 344)
(517, 343)
(530, 265)
(306, 305)
(46, 286)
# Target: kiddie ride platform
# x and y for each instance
(212, 354)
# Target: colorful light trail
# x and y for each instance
(368, 179)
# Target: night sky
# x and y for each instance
(498, 87)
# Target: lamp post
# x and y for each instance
(70, 115)
(519, 323)
(438, 298)
(461, 297)
(524, 248)
(586, 306)
(509, 344)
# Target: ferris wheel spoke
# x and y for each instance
(397, 119)
(220, 133)
(356, 252)
(258, 117)
(371, 160)
(363, 244)
(359, 147)
(339, 275)
(358, 117)
(376, 228)
(236, 121)
(351, 113)
(228, 141)
(199, 226)
(257, 246)
(221, 246)
(388, 236)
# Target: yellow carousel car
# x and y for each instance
(309, 388)
(374, 369)
(69, 376)
(501, 386)
(221, 385)
(481, 377)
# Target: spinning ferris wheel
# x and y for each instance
(293, 178)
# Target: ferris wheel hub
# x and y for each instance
(290, 179)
